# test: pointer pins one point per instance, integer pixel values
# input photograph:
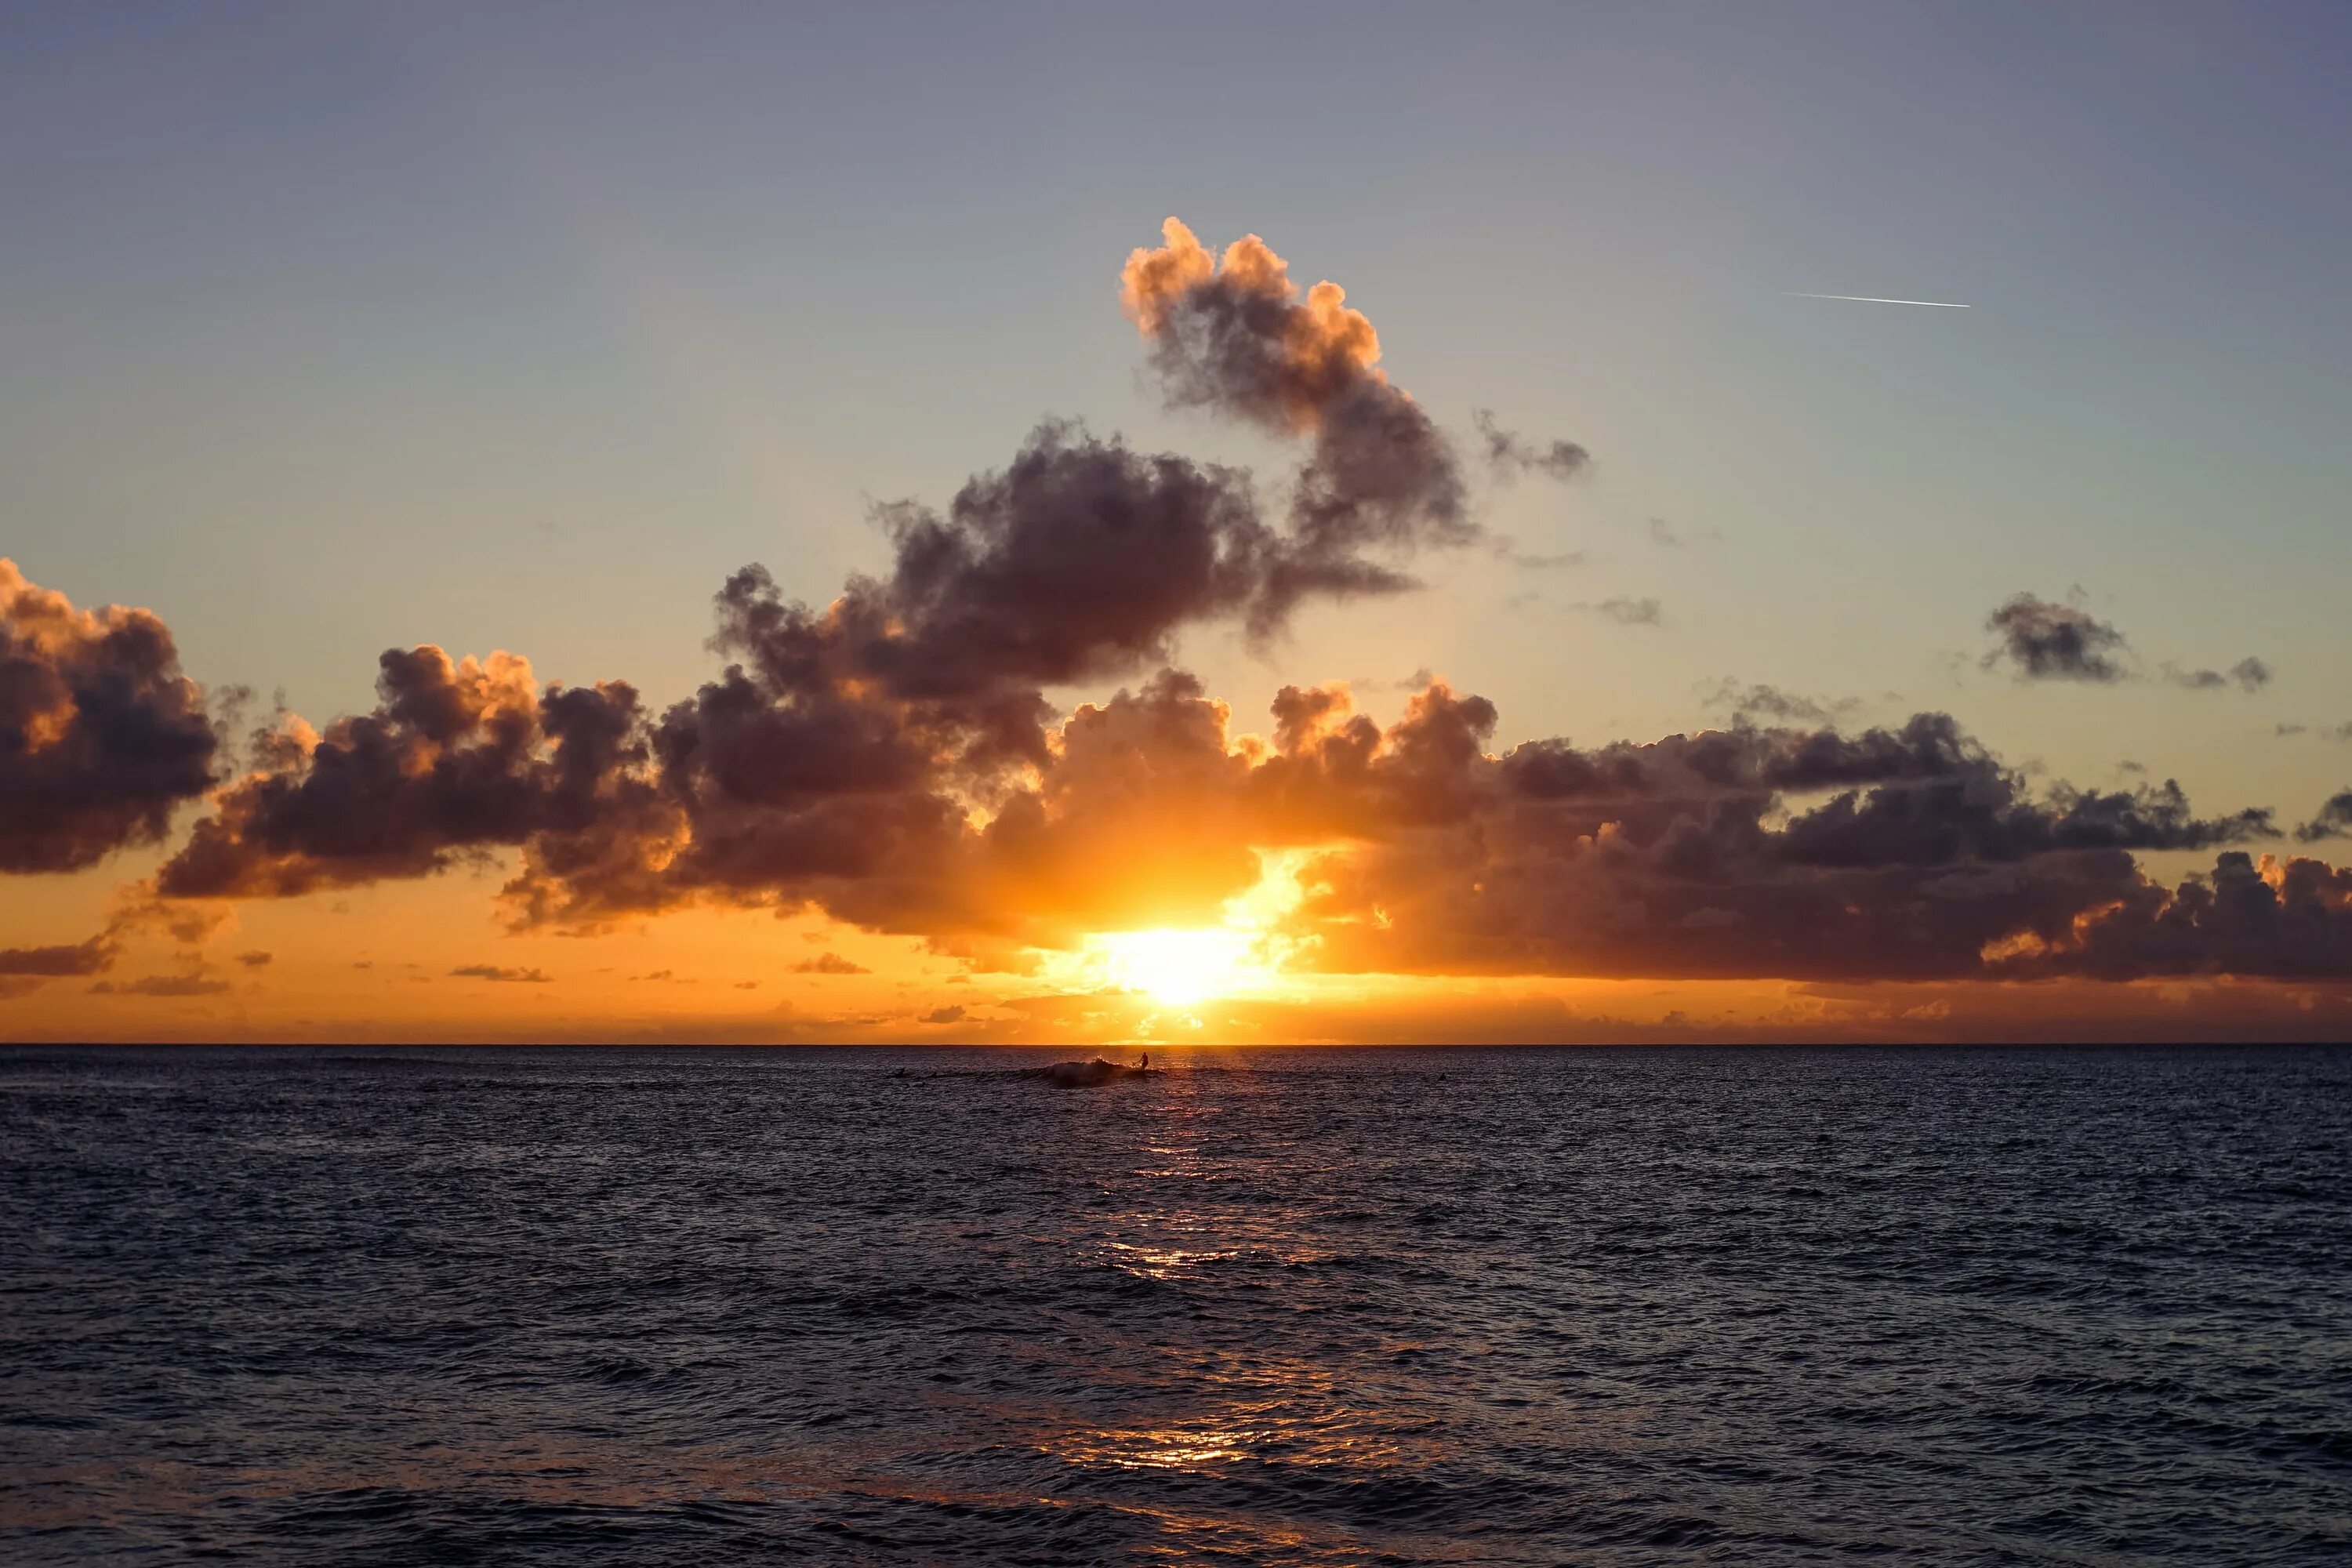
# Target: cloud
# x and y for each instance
(92, 957)
(847, 741)
(2046, 641)
(456, 757)
(1700, 856)
(2250, 675)
(2331, 820)
(1661, 534)
(501, 973)
(101, 737)
(1511, 456)
(829, 963)
(1781, 850)
(1232, 335)
(1627, 612)
(256, 958)
(891, 759)
(194, 985)
(1754, 701)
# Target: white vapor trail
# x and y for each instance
(1874, 299)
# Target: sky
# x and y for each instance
(1733, 664)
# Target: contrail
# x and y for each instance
(1874, 299)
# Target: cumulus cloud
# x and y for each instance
(1232, 335)
(101, 737)
(455, 758)
(2045, 641)
(829, 963)
(1787, 850)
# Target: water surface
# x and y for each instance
(1582, 1306)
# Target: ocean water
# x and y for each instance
(1582, 1306)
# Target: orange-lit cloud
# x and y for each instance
(1232, 335)
(101, 737)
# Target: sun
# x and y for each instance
(1176, 968)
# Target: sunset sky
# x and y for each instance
(1560, 626)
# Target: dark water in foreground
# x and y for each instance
(1524, 1307)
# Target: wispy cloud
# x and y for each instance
(1627, 612)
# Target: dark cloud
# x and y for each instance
(1511, 454)
(101, 737)
(256, 958)
(1079, 557)
(841, 751)
(1791, 851)
(2280, 919)
(829, 963)
(2331, 820)
(1549, 563)
(501, 973)
(1627, 612)
(944, 1015)
(92, 957)
(1697, 855)
(455, 758)
(2041, 640)
(2046, 641)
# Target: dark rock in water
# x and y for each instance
(1090, 1074)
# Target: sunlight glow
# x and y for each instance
(1179, 968)
(1176, 967)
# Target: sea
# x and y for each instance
(1741, 1305)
